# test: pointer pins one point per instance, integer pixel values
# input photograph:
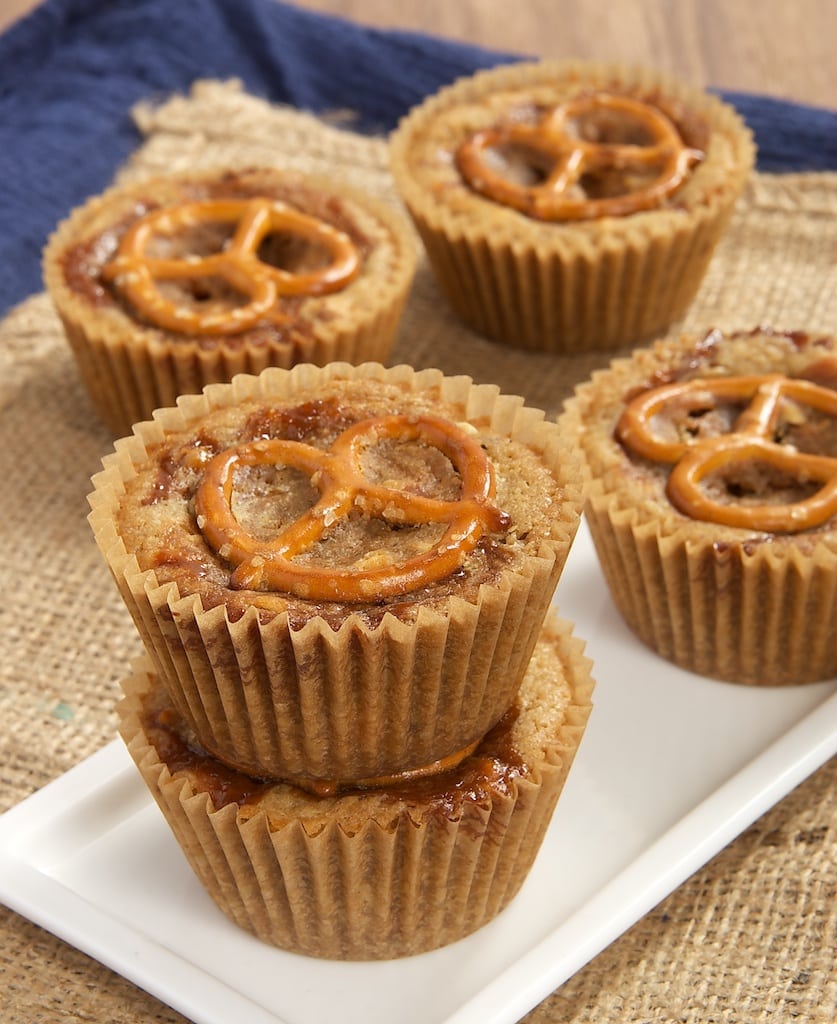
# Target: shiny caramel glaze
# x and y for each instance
(493, 763)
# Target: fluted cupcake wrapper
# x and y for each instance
(376, 894)
(369, 890)
(740, 613)
(568, 287)
(573, 301)
(127, 381)
(359, 701)
(354, 703)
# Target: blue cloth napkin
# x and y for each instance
(71, 71)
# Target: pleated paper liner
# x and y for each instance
(131, 367)
(357, 700)
(368, 874)
(758, 617)
(733, 603)
(565, 287)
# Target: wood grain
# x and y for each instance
(770, 46)
(767, 46)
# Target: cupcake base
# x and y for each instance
(374, 874)
(729, 613)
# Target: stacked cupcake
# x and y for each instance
(356, 711)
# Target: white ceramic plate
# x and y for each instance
(672, 767)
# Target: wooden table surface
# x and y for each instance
(778, 47)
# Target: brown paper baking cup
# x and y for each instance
(366, 875)
(129, 368)
(732, 603)
(127, 379)
(568, 287)
(758, 617)
(359, 701)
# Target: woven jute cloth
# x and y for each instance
(749, 939)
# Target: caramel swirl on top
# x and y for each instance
(138, 276)
(577, 172)
(753, 440)
(338, 475)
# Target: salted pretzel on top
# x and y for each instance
(752, 440)
(338, 475)
(137, 275)
(577, 173)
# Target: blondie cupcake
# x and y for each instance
(570, 207)
(380, 872)
(177, 282)
(712, 500)
(340, 572)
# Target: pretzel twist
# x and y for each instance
(338, 476)
(560, 159)
(750, 440)
(138, 275)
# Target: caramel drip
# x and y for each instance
(490, 761)
(137, 275)
(560, 160)
(326, 787)
(749, 441)
(338, 476)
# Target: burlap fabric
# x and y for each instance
(749, 938)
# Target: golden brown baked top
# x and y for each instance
(697, 156)
(362, 496)
(596, 155)
(734, 430)
(255, 254)
(538, 733)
